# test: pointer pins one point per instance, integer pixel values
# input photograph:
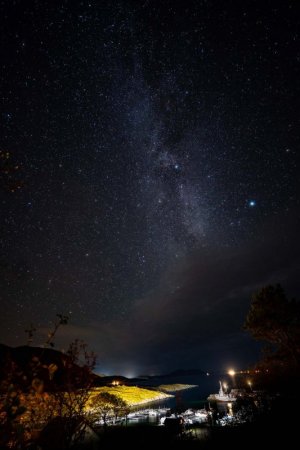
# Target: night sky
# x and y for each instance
(149, 179)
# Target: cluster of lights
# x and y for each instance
(232, 373)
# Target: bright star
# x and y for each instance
(252, 203)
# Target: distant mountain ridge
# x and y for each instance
(25, 362)
(174, 373)
(22, 357)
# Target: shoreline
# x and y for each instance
(160, 396)
(175, 387)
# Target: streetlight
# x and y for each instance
(231, 373)
(249, 382)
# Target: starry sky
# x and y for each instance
(149, 174)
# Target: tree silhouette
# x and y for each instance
(107, 406)
(275, 319)
(45, 387)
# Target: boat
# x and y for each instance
(137, 415)
(202, 415)
(195, 416)
(222, 396)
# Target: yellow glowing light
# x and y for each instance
(231, 372)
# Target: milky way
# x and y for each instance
(155, 143)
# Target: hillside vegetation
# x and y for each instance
(132, 395)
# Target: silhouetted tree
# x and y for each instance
(275, 319)
(24, 404)
(45, 386)
(73, 392)
(107, 406)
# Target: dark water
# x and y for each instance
(190, 398)
(195, 398)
